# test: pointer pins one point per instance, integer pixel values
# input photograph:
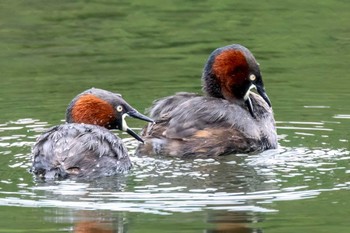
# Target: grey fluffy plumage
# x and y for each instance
(92, 150)
(229, 118)
(84, 147)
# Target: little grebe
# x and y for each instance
(84, 147)
(228, 119)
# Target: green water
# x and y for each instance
(53, 50)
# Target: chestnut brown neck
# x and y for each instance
(90, 109)
(230, 69)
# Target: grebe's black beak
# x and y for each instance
(261, 91)
(135, 135)
(135, 114)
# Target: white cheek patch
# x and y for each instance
(124, 125)
(246, 96)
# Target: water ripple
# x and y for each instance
(163, 186)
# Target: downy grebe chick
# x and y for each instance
(228, 119)
(84, 147)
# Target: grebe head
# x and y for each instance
(230, 73)
(100, 107)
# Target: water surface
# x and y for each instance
(51, 51)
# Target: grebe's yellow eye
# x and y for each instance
(252, 77)
(119, 108)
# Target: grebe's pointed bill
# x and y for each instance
(263, 94)
(126, 128)
(135, 135)
(135, 114)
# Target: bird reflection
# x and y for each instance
(93, 227)
(93, 222)
(233, 222)
(226, 199)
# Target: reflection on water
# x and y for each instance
(259, 179)
(235, 191)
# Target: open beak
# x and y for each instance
(135, 114)
(135, 135)
(261, 91)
